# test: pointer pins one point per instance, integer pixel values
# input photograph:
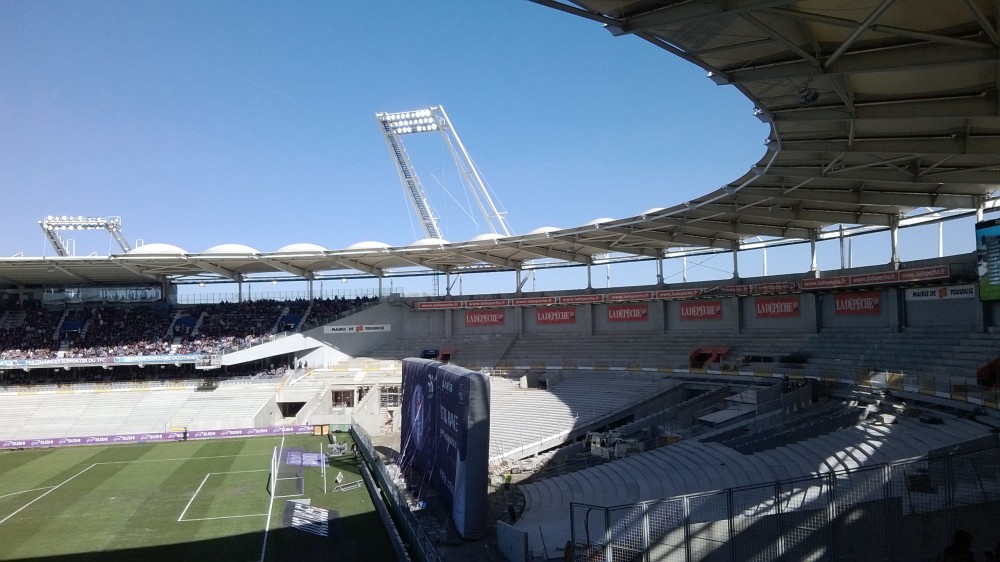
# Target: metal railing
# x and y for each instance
(257, 295)
(422, 546)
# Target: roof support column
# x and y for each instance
(979, 211)
(447, 284)
(736, 261)
(813, 265)
(239, 291)
(894, 236)
(590, 279)
(517, 281)
(379, 287)
(843, 256)
(941, 239)
(659, 269)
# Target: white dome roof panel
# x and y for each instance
(156, 249)
(231, 249)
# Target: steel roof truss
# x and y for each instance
(870, 198)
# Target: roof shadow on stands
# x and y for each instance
(787, 507)
(871, 524)
(786, 449)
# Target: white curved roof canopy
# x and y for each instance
(877, 108)
(156, 249)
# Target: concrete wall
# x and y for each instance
(887, 319)
(605, 322)
(354, 344)
(803, 321)
(965, 313)
(584, 320)
(460, 327)
(726, 323)
(817, 311)
(268, 415)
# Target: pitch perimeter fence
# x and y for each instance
(420, 544)
(899, 511)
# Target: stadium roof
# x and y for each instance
(880, 111)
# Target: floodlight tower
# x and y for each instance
(430, 120)
(51, 225)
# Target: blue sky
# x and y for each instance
(205, 123)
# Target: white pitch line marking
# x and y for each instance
(26, 491)
(53, 489)
(181, 518)
(225, 517)
(185, 458)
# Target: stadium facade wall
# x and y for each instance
(959, 313)
(583, 321)
(816, 311)
(355, 344)
(726, 322)
(268, 414)
(802, 320)
(886, 319)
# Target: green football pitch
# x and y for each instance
(192, 500)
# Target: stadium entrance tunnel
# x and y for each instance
(290, 409)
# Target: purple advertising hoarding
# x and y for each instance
(152, 437)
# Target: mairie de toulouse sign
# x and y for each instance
(152, 437)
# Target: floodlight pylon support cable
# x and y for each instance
(394, 125)
(473, 179)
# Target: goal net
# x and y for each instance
(287, 478)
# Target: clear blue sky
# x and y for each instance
(204, 123)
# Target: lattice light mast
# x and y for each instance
(52, 225)
(430, 120)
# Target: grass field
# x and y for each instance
(193, 500)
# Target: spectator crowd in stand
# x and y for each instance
(30, 331)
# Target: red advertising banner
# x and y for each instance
(628, 313)
(534, 301)
(904, 276)
(484, 318)
(637, 296)
(679, 293)
(874, 278)
(777, 287)
(438, 304)
(555, 315)
(926, 273)
(487, 303)
(738, 290)
(866, 302)
(777, 307)
(581, 299)
(825, 283)
(701, 310)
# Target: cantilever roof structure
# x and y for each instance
(881, 111)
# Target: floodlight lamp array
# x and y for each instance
(421, 121)
(77, 223)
